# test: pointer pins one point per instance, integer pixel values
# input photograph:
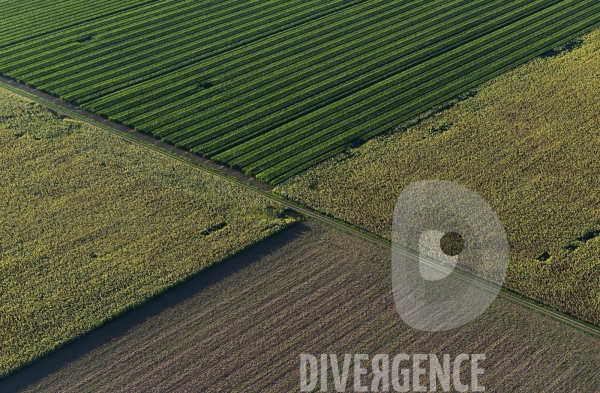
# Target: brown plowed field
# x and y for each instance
(242, 325)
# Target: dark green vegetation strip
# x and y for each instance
(276, 87)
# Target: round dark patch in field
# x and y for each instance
(452, 243)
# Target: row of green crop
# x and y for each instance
(24, 20)
(109, 28)
(261, 80)
(273, 43)
(179, 57)
(293, 83)
(542, 38)
(308, 133)
(57, 38)
(436, 75)
(53, 76)
(337, 107)
(415, 61)
(229, 71)
(16, 14)
(393, 60)
(312, 78)
(128, 64)
(313, 70)
(110, 56)
(276, 175)
(283, 81)
(117, 98)
(405, 60)
(184, 93)
(328, 133)
(74, 58)
(20, 23)
(187, 108)
(271, 53)
(414, 86)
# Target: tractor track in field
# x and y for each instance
(252, 185)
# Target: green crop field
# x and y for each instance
(92, 225)
(528, 142)
(275, 87)
(25, 19)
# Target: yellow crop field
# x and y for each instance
(528, 142)
(92, 225)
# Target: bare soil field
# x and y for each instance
(241, 327)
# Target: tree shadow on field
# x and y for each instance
(38, 370)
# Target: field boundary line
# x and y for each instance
(253, 185)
